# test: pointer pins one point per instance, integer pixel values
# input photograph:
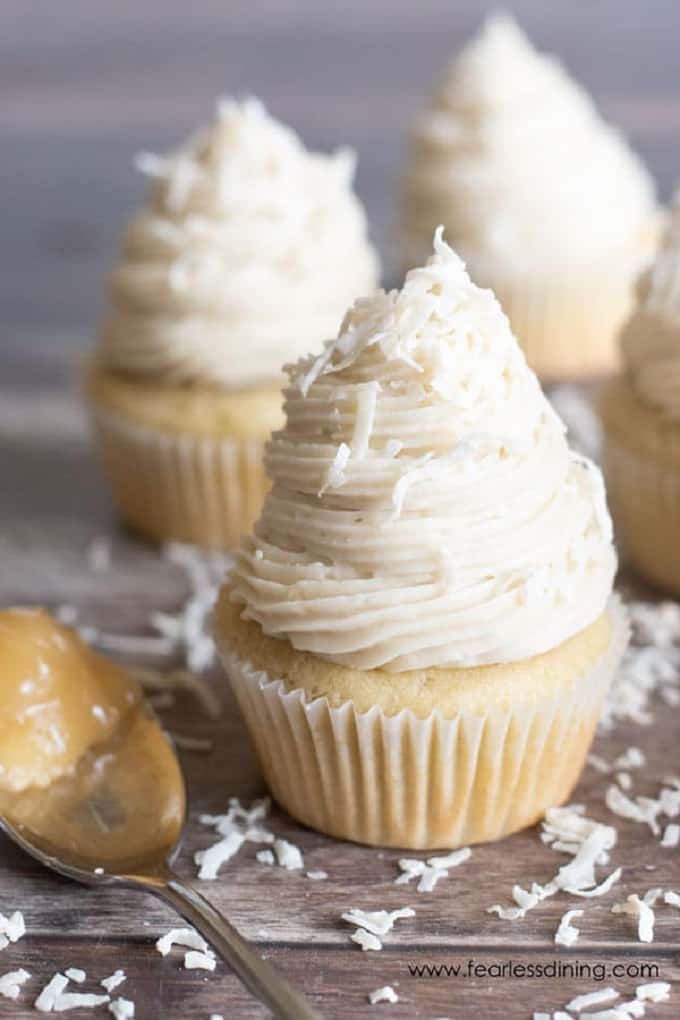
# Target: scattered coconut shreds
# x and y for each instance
(76, 974)
(55, 999)
(237, 826)
(650, 665)
(366, 940)
(317, 876)
(12, 928)
(624, 780)
(671, 836)
(49, 994)
(567, 933)
(380, 922)
(113, 981)
(185, 743)
(581, 1002)
(186, 937)
(429, 872)
(190, 628)
(569, 831)
(672, 898)
(288, 855)
(637, 908)
(644, 809)
(122, 1009)
(656, 991)
(10, 983)
(384, 994)
(265, 857)
(194, 960)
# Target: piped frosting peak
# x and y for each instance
(425, 509)
(513, 157)
(241, 223)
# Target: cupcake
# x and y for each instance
(544, 200)
(246, 254)
(641, 418)
(421, 630)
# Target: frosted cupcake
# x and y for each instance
(246, 254)
(641, 415)
(420, 632)
(545, 201)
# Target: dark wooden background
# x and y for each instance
(84, 84)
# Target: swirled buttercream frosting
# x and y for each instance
(247, 253)
(425, 510)
(513, 158)
(651, 338)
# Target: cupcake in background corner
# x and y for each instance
(246, 255)
(421, 630)
(641, 418)
(546, 202)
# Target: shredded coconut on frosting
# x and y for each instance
(422, 558)
(249, 246)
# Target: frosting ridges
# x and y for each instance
(425, 507)
(247, 253)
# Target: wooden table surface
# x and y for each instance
(52, 506)
(83, 88)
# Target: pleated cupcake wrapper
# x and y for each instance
(568, 328)
(202, 490)
(645, 498)
(422, 783)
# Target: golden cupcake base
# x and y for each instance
(642, 470)
(503, 745)
(184, 465)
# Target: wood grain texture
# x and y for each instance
(84, 90)
(52, 505)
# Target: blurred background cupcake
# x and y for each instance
(641, 417)
(420, 632)
(545, 201)
(246, 254)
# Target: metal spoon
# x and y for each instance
(118, 821)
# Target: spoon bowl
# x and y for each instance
(118, 819)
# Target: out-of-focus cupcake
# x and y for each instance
(546, 202)
(246, 254)
(641, 417)
(421, 631)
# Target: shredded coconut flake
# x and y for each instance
(378, 922)
(637, 908)
(582, 1002)
(656, 991)
(288, 855)
(186, 937)
(12, 928)
(122, 1009)
(366, 940)
(194, 960)
(671, 836)
(567, 933)
(76, 974)
(115, 979)
(317, 876)
(10, 983)
(384, 994)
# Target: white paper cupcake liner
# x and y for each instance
(178, 487)
(422, 783)
(645, 498)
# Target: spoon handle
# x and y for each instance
(265, 983)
